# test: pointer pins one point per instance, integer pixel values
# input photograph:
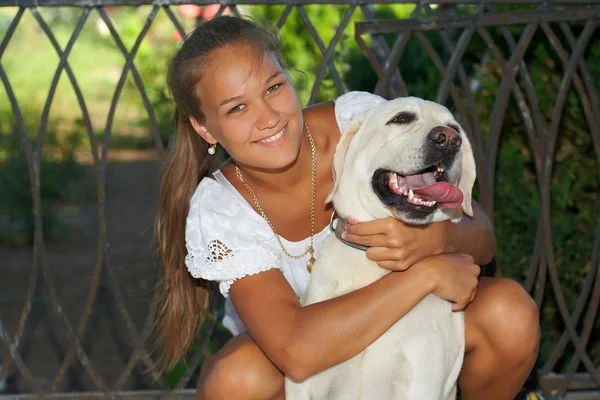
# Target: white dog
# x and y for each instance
(407, 158)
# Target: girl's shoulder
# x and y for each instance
(225, 240)
(332, 117)
(341, 111)
(216, 195)
(352, 104)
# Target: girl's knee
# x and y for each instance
(508, 318)
(240, 371)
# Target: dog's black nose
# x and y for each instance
(445, 139)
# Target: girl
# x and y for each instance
(256, 223)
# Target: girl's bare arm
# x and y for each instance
(302, 341)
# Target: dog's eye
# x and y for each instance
(402, 118)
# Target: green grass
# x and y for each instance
(30, 62)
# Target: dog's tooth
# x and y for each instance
(411, 194)
(393, 182)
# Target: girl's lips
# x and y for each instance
(275, 140)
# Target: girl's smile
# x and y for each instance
(275, 140)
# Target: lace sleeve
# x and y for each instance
(351, 104)
(224, 242)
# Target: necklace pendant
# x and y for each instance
(312, 260)
(310, 264)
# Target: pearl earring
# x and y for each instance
(212, 149)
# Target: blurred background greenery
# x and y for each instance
(30, 63)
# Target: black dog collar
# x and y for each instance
(337, 224)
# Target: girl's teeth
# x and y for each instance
(274, 137)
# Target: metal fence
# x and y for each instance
(39, 327)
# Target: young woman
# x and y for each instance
(256, 222)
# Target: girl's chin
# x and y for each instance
(280, 161)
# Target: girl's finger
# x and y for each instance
(367, 228)
(391, 265)
(384, 254)
(459, 306)
(368, 240)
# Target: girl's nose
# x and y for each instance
(268, 117)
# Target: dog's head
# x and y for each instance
(407, 158)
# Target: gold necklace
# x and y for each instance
(310, 248)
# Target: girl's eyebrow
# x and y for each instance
(236, 98)
(275, 75)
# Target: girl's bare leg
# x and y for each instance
(502, 338)
(240, 370)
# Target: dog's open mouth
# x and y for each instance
(421, 191)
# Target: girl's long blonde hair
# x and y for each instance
(185, 300)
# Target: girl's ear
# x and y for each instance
(201, 130)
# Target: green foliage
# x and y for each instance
(574, 197)
(57, 176)
(151, 60)
(304, 57)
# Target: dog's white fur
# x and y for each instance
(420, 356)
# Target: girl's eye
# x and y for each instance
(237, 108)
(273, 88)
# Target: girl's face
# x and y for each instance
(251, 108)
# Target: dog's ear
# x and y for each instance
(468, 173)
(340, 152)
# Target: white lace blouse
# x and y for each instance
(227, 240)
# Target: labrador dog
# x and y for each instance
(407, 158)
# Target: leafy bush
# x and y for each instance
(57, 176)
(574, 189)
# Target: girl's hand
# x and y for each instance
(453, 277)
(395, 245)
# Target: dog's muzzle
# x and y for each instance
(418, 193)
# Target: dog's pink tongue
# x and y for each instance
(425, 186)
